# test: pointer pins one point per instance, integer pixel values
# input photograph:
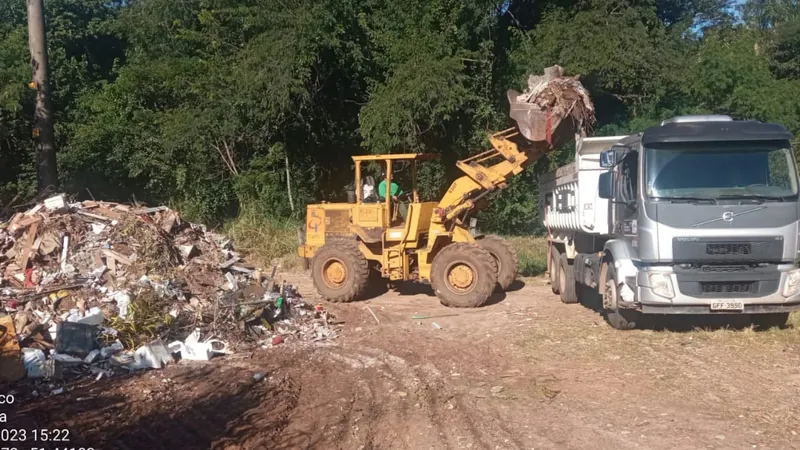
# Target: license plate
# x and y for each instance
(727, 306)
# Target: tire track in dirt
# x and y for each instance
(398, 401)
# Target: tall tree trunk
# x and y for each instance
(289, 183)
(46, 170)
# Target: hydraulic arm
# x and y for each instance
(487, 172)
(549, 114)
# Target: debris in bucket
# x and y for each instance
(550, 107)
(95, 289)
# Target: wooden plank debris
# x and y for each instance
(30, 236)
(150, 210)
(102, 210)
(94, 216)
(122, 259)
(34, 210)
(169, 220)
(241, 269)
(25, 223)
(230, 262)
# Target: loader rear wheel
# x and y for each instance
(340, 272)
(463, 275)
(505, 257)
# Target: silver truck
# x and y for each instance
(696, 216)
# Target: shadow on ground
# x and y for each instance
(516, 285)
(208, 411)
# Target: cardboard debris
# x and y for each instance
(57, 202)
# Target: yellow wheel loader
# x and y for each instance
(351, 247)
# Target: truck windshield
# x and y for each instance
(720, 170)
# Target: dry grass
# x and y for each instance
(265, 240)
(532, 252)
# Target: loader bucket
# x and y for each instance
(553, 109)
(542, 126)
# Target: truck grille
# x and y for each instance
(738, 287)
(724, 269)
(728, 249)
(727, 252)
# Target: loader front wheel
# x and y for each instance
(463, 275)
(505, 257)
(340, 272)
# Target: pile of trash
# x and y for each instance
(101, 288)
(548, 100)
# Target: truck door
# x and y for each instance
(624, 207)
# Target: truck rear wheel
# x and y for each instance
(505, 258)
(617, 318)
(566, 280)
(463, 275)
(554, 268)
(340, 271)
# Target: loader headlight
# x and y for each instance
(792, 284)
(661, 284)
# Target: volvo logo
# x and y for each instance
(728, 216)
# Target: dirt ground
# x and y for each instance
(524, 372)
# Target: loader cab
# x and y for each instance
(380, 217)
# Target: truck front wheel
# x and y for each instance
(619, 319)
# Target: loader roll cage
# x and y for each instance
(413, 158)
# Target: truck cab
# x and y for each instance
(702, 218)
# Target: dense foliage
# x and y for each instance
(206, 103)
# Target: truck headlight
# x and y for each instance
(661, 284)
(792, 284)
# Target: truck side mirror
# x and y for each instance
(608, 158)
(605, 186)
